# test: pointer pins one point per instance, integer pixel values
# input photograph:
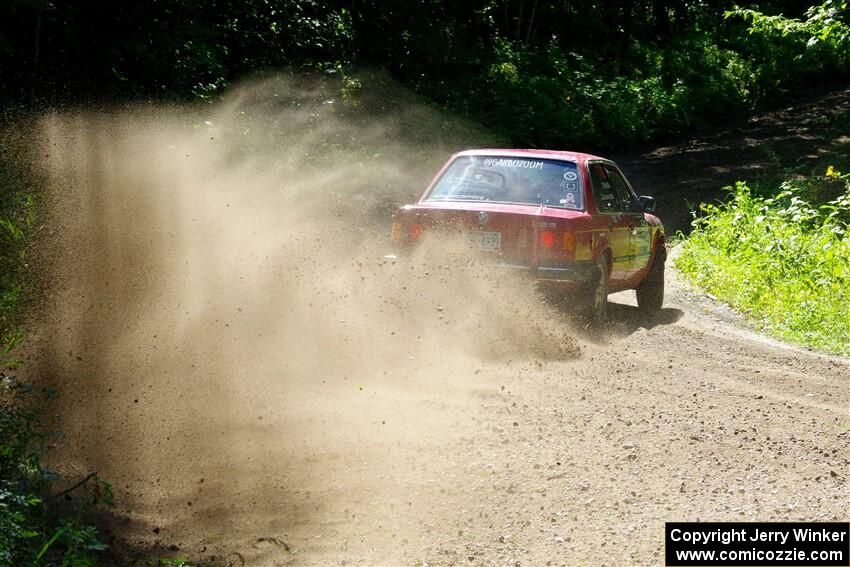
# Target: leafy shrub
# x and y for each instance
(33, 529)
(552, 97)
(567, 99)
(14, 227)
(792, 51)
(781, 259)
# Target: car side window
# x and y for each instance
(622, 193)
(603, 190)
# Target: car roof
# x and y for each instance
(548, 154)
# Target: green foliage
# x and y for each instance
(593, 74)
(781, 259)
(556, 97)
(792, 51)
(34, 530)
(823, 28)
(604, 94)
(568, 99)
(17, 220)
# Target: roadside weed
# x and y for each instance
(781, 259)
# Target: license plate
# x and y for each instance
(485, 240)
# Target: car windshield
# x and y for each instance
(500, 179)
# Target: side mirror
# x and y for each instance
(646, 203)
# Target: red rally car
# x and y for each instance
(570, 220)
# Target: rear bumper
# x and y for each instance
(566, 273)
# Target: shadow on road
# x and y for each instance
(623, 320)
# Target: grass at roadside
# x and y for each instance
(780, 257)
(17, 219)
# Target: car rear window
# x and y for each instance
(501, 179)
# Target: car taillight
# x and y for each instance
(396, 234)
(549, 240)
(415, 231)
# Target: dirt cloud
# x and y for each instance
(218, 308)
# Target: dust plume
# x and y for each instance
(227, 339)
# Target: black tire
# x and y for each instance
(597, 295)
(650, 292)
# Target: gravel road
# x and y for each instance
(685, 416)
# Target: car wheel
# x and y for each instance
(598, 300)
(650, 292)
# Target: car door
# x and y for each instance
(639, 236)
(617, 223)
